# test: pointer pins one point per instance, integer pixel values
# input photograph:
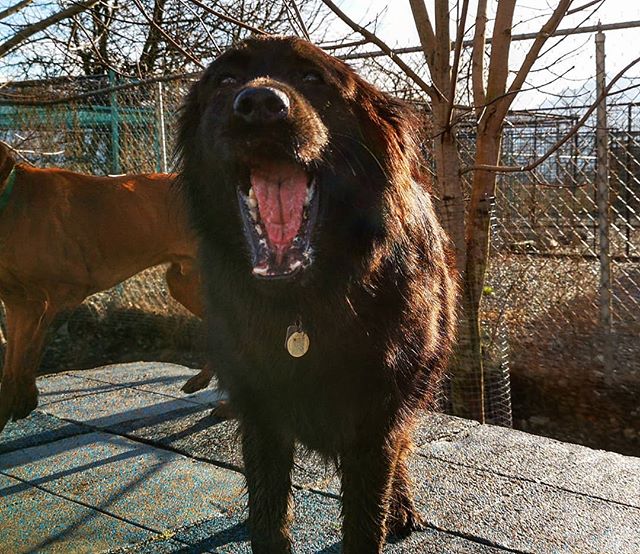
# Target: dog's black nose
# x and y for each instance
(261, 105)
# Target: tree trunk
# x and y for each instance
(470, 351)
(466, 385)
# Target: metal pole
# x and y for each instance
(628, 184)
(162, 136)
(115, 127)
(602, 192)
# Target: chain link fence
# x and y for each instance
(548, 354)
(573, 375)
(107, 127)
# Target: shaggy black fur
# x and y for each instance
(376, 296)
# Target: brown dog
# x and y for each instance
(327, 267)
(65, 236)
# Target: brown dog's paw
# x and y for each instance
(17, 400)
(197, 382)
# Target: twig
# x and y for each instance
(228, 18)
(166, 35)
(430, 90)
(561, 142)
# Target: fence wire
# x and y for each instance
(544, 343)
(544, 278)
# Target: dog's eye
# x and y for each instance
(312, 77)
(227, 79)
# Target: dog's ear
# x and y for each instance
(7, 161)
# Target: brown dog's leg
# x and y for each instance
(183, 282)
(27, 324)
(367, 478)
(268, 459)
(403, 516)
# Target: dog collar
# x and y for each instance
(8, 189)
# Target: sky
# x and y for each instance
(396, 28)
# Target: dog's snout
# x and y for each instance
(261, 105)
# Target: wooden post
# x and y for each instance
(602, 194)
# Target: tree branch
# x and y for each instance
(425, 31)
(166, 35)
(431, 91)
(456, 60)
(561, 142)
(532, 55)
(14, 9)
(31, 30)
(499, 62)
(228, 18)
(477, 57)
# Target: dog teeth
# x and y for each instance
(252, 202)
(258, 230)
(254, 214)
(260, 270)
(309, 196)
(295, 265)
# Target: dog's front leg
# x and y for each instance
(367, 478)
(268, 459)
(27, 324)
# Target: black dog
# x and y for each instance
(331, 295)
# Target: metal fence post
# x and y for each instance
(602, 194)
(115, 127)
(162, 136)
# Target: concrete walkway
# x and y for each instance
(117, 459)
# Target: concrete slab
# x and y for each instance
(481, 489)
(199, 434)
(152, 487)
(316, 529)
(158, 377)
(35, 430)
(64, 386)
(519, 514)
(31, 520)
(571, 467)
(114, 406)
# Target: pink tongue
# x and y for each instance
(281, 189)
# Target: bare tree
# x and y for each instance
(137, 38)
(495, 83)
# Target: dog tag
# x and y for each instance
(297, 341)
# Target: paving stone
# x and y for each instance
(317, 529)
(114, 406)
(150, 486)
(64, 386)
(33, 521)
(525, 456)
(197, 433)
(158, 377)
(519, 514)
(157, 546)
(439, 427)
(481, 489)
(193, 431)
(36, 429)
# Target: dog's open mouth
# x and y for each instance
(278, 212)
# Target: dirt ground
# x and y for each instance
(565, 392)
(560, 386)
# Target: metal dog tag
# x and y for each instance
(297, 341)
